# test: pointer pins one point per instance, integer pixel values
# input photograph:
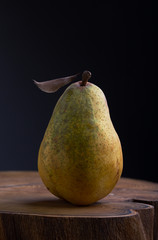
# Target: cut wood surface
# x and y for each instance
(28, 211)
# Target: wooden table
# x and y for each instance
(29, 212)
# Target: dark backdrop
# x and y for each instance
(114, 41)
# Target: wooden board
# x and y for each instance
(28, 211)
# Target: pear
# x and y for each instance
(80, 158)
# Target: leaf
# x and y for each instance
(52, 86)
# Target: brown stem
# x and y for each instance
(85, 77)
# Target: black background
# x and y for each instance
(114, 41)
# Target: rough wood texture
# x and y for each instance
(29, 211)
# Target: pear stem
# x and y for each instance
(86, 75)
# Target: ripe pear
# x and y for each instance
(80, 158)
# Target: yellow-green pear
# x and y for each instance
(80, 157)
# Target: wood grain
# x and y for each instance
(28, 211)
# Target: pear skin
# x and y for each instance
(80, 158)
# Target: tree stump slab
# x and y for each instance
(28, 211)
